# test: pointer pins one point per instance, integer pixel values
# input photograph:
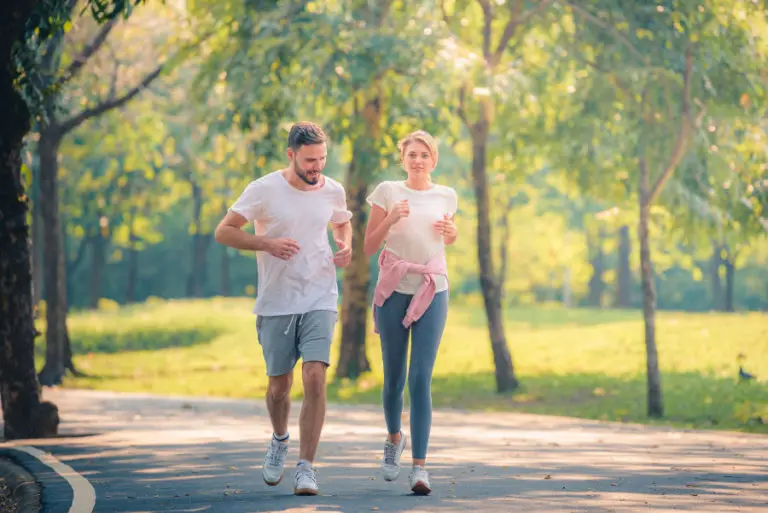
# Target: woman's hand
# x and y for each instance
(399, 211)
(447, 228)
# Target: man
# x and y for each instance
(296, 304)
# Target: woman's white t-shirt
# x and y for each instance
(414, 238)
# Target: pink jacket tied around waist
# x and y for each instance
(392, 269)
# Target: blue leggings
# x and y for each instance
(426, 333)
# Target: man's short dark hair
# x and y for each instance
(305, 133)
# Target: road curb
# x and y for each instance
(54, 494)
(24, 486)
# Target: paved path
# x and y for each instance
(158, 454)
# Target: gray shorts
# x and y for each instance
(286, 338)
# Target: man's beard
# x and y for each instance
(302, 173)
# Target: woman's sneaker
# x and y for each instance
(274, 461)
(390, 465)
(305, 482)
(419, 481)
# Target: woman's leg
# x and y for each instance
(426, 335)
(394, 352)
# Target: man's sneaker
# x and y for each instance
(419, 481)
(390, 465)
(305, 482)
(272, 472)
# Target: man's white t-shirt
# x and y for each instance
(307, 281)
(414, 238)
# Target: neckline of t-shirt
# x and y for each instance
(403, 184)
(291, 187)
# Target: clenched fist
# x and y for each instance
(284, 249)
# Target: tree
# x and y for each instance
(21, 21)
(655, 71)
(52, 130)
(477, 95)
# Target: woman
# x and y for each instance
(416, 219)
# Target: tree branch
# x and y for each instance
(108, 105)
(87, 52)
(618, 35)
(516, 20)
(686, 125)
(487, 22)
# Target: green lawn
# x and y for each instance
(583, 363)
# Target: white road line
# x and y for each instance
(83, 494)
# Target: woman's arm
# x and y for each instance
(379, 224)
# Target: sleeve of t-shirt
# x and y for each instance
(340, 213)
(250, 204)
(379, 196)
(453, 202)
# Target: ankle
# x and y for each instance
(395, 439)
(282, 438)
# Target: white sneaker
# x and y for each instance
(390, 465)
(305, 482)
(274, 461)
(419, 481)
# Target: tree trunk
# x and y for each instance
(133, 264)
(730, 275)
(226, 288)
(624, 274)
(717, 286)
(24, 415)
(655, 403)
(567, 290)
(55, 279)
(98, 261)
(37, 247)
(597, 261)
(489, 282)
(197, 274)
(353, 360)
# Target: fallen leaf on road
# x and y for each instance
(548, 476)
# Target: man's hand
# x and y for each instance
(343, 256)
(283, 249)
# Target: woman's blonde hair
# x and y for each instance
(421, 136)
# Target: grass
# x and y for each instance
(581, 363)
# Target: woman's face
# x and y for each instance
(418, 160)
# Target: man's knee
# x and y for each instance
(313, 376)
(280, 386)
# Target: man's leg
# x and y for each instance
(312, 414)
(315, 332)
(277, 340)
(279, 402)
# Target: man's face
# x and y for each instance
(309, 162)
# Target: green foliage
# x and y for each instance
(584, 363)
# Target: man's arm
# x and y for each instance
(230, 233)
(342, 234)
